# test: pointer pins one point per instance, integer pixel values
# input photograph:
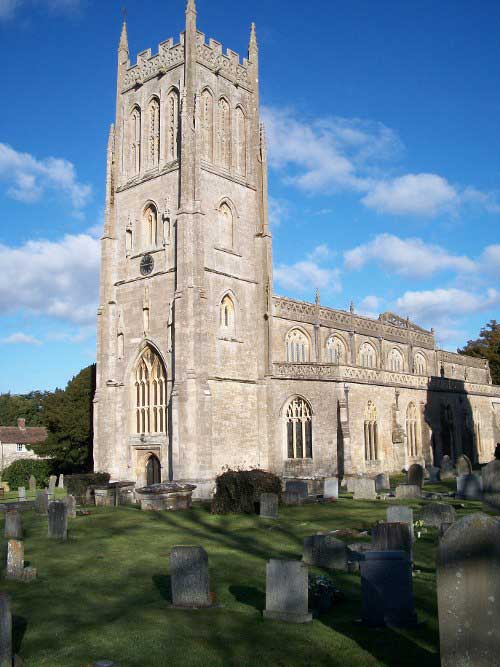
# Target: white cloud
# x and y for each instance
(435, 305)
(490, 259)
(8, 8)
(28, 178)
(55, 279)
(307, 274)
(20, 338)
(407, 257)
(278, 211)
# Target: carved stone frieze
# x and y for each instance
(149, 66)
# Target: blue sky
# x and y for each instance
(383, 122)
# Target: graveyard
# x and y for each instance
(105, 592)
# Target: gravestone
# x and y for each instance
(297, 486)
(42, 503)
(401, 514)
(189, 577)
(58, 520)
(13, 525)
(382, 482)
(434, 474)
(491, 485)
(15, 563)
(447, 470)
(364, 489)
(70, 502)
(464, 466)
(416, 475)
(287, 593)
(435, 514)
(60, 483)
(21, 494)
(5, 631)
(52, 483)
(408, 491)
(392, 537)
(468, 590)
(331, 488)
(469, 487)
(325, 551)
(32, 484)
(269, 505)
(386, 589)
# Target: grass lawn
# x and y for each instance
(105, 593)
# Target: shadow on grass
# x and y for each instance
(250, 596)
(19, 625)
(163, 583)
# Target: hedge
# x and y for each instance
(19, 472)
(239, 490)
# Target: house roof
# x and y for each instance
(28, 435)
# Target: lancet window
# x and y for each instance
(135, 141)
(150, 394)
(150, 226)
(172, 125)
(226, 226)
(412, 432)
(224, 134)
(154, 133)
(297, 346)
(207, 125)
(240, 140)
(298, 419)
(227, 319)
(371, 432)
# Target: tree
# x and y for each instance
(67, 414)
(487, 346)
(27, 406)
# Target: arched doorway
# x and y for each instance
(153, 470)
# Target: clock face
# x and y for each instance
(147, 264)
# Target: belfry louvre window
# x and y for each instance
(135, 142)
(371, 432)
(154, 133)
(412, 435)
(299, 429)
(297, 346)
(150, 394)
(172, 125)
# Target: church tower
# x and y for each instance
(184, 320)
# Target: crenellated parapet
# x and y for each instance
(462, 359)
(169, 55)
(228, 65)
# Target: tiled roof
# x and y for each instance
(23, 436)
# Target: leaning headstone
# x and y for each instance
(70, 502)
(447, 470)
(364, 489)
(5, 631)
(21, 494)
(401, 514)
(408, 491)
(13, 525)
(464, 466)
(382, 482)
(60, 483)
(469, 487)
(325, 551)
(331, 488)
(434, 475)
(189, 577)
(58, 520)
(52, 483)
(386, 589)
(392, 537)
(416, 475)
(287, 594)
(42, 503)
(269, 505)
(32, 484)
(468, 591)
(491, 485)
(435, 514)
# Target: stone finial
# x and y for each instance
(351, 307)
(191, 6)
(252, 44)
(317, 297)
(123, 38)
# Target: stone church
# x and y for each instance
(200, 366)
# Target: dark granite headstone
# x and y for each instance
(297, 486)
(325, 551)
(392, 537)
(189, 577)
(287, 593)
(13, 525)
(269, 505)
(491, 485)
(416, 475)
(386, 589)
(58, 520)
(5, 631)
(469, 487)
(464, 466)
(468, 591)
(435, 514)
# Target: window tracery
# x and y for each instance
(396, 363)
(298, 419)
(154, 132)
(224, 134)
(297, 346)
(207, 122)
(367, 356)
(420, 364)
(336, 350)
(240, 140)
(135, 141)
(412, 432)
(371, 432)
(172, 125)
(150, 394)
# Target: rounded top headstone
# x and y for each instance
(464, 466)
(475, 536)
(416, 474)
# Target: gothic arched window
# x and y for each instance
(207, 126)
(172, 125)
(224, 134)
(134, 164)
(240, 141)
(412, 432)
(420, 364)
(227, 319)
(395, 360)
(371, 432)
(150, 227)
(225, 226)
(150, 394)
(298, 419)
(367, 356)
(297, 346)
(336, 350)
(154, 133)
